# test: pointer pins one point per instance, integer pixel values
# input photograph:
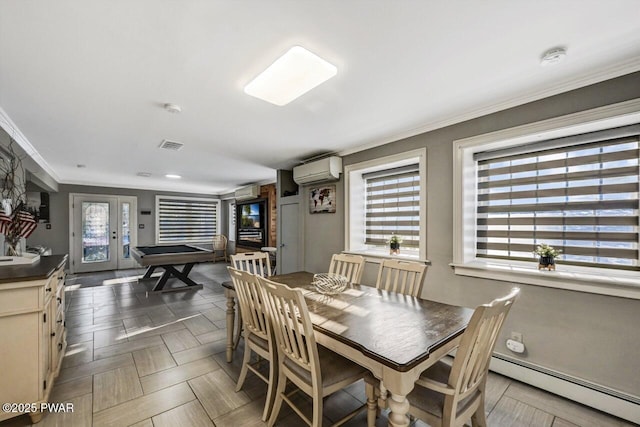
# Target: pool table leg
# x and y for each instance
(149, 272)
(169, 271)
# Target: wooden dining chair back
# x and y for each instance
(220, 247)
(258, 337)
(313, 369)
(253, 262)
(403, 277)
(350, 266)
(450, 395)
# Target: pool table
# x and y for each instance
(167, 257)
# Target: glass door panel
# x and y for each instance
(126, 230)
(95, 232)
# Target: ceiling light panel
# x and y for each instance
(290, 76)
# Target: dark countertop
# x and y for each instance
(38, 270)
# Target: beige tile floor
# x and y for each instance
(135, 359)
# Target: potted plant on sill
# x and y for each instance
(546, 256)
(394, 245)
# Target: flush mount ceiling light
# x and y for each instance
(553, 56)
(290, 76)
(173, 108)
(173, 176)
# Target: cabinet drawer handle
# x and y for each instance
(59, 299)
(53, 334)
(48, 289)
(59, 346)
(59, 321)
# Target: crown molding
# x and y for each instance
(14, 132)
(568, 84)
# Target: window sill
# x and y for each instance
(597, 281)
(377, 257)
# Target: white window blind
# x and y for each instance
(393, 206)
(581, 198)
(186, 220)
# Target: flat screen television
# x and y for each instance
(251, 223)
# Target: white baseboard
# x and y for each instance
(610, 401)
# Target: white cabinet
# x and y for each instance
(32, 331)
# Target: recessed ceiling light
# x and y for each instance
(144, 174)
(290, 76)
(173, 108)
(553, 56)
(172, 176)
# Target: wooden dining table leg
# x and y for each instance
(230, 322)
(399, 407)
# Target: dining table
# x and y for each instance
(395, 336)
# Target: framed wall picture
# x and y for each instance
(38, 205)
(322, 199)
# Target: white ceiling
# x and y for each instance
(84, 81)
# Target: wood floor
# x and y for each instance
(159, 360)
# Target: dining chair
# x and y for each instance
(403, 277)
(220, 245)
(258, 337)
(313, 369)
(252, 262)
(450, 395)
(350, 266)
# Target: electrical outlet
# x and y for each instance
(516, 336)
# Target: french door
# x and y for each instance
(103, 231)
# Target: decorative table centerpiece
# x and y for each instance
(330, 283)
(546, 256)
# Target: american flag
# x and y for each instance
(5, 222)
(26, 223)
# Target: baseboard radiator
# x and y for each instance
(596, 396)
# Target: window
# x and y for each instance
(384, 197)
(572, 182)
(186, 220)
(582, 199)
(393, 207)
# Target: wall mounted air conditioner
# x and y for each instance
(327, 169)
(248, 192)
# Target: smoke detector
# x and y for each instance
(173, 108)
(553, 56)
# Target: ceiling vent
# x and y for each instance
(171, 145)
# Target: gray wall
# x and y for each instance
(57, 238)
(589, 336)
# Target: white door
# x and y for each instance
(232, 222)
(102, 232)
(289, 259)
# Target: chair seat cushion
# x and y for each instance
(333, 368)
(431, 401)
(259, 341)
